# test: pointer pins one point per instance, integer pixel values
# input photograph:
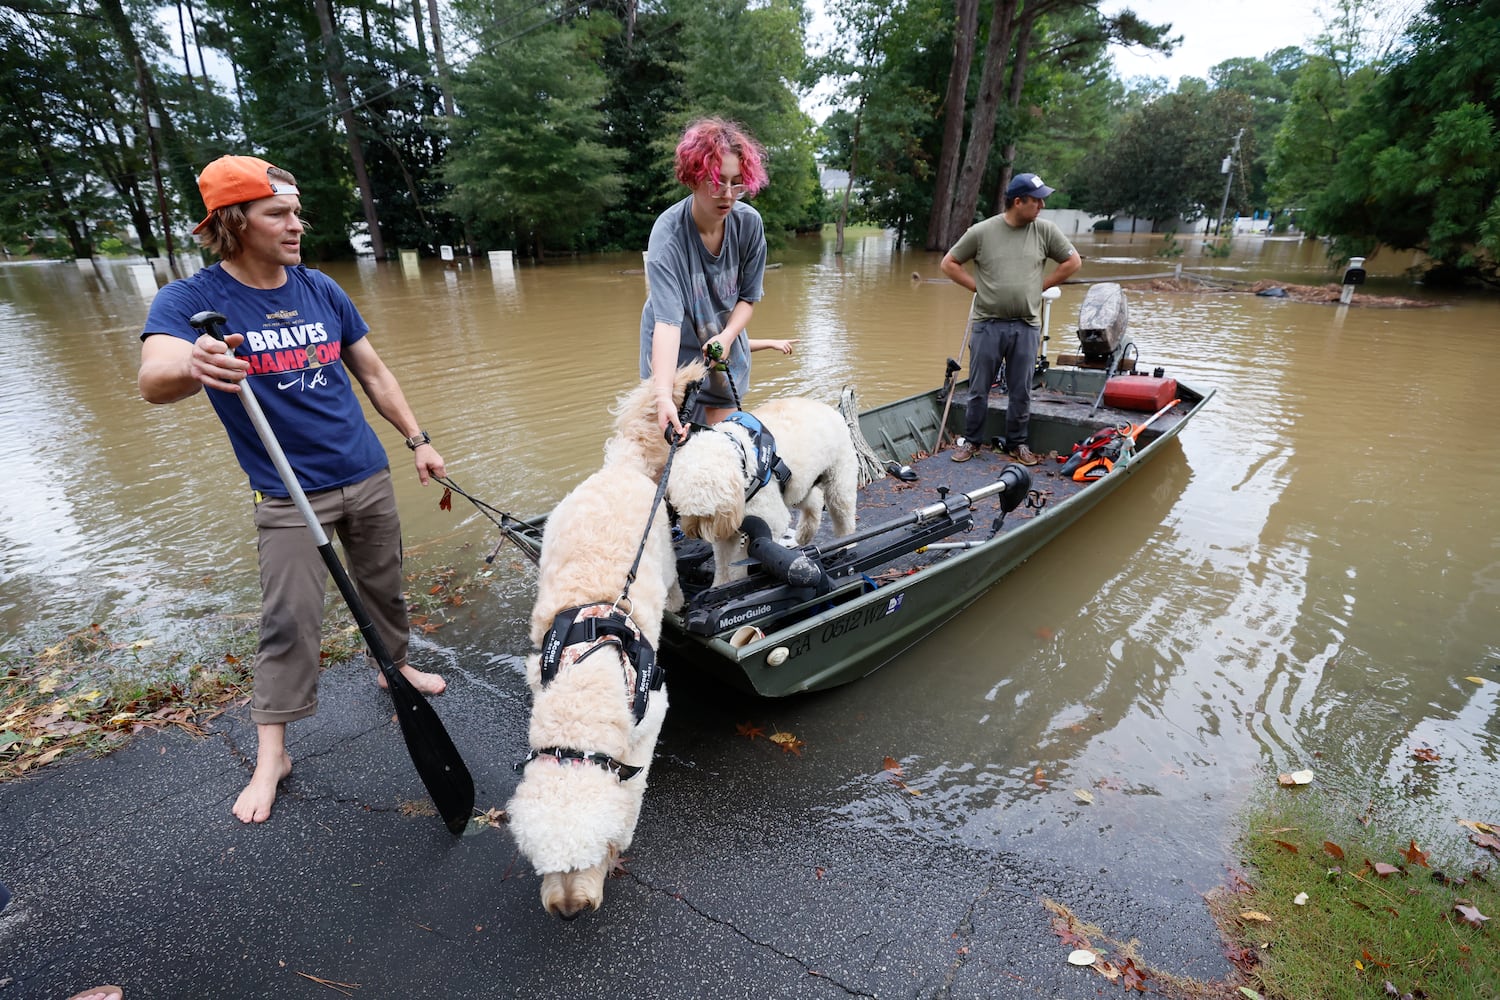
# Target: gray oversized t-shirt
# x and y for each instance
(696, 291)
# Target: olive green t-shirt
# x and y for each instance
(1008, 265)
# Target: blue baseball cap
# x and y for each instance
(1029, 185)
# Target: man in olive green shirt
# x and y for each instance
(1010, 252)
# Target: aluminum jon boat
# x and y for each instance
(933, 534)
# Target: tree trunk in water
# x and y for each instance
(982, 124)
(351, 127)
(859, 114)
(78, 238)
(966, 23)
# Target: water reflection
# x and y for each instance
(1306, 579)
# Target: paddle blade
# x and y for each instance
(437, 760)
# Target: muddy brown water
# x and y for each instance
(1311, 578)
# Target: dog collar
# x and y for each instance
(620, 770)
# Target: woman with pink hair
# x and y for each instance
(704, 267)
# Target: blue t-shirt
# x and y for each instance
(294, 340)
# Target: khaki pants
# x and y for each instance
(294, 584)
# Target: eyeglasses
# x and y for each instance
(721, 189)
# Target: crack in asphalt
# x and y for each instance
(729, 925)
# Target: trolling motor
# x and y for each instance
(790, 566)
(838, 564)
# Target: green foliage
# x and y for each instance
(643, 97)
(1165, 161)
(289, 111)
(741, 60)
(1360, 926)
(529, 165)
(1423, 170)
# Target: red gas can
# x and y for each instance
(1140, 392)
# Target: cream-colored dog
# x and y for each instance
(594, 719)
(714, 470)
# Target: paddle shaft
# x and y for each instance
(952, 382)
(438, 762)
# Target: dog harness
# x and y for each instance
(766, 464)
(578, 633)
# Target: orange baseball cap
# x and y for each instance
(234, 180)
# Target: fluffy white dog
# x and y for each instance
(716, 469)
(594, 718)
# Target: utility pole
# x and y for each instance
(161, 192)
(1227, 169)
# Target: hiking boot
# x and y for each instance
(963, 452)
(1024, 455)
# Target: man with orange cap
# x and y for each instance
(301, 338)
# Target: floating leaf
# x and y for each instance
(1302, 777)
(1040, 778)
(1084, 795)
(1487, 841)
(1477, 680)
(1082, 956)
(893, 765)
(1470, 915)
(1333, 849)
(1300, 899)
(1427, 754)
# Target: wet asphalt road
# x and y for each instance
(130, 869)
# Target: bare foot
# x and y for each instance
(254, 803)
(420, 679)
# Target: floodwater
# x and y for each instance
(1310, 580)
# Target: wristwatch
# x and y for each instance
(418, 439)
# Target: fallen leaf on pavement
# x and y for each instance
(1082, 956)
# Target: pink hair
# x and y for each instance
(704, 145)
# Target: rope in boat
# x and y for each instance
(871, 467)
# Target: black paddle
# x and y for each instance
(438, 763)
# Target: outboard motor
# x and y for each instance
(1102, 319)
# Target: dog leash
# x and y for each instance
(449, 486)
(688, 396)
(715, 353)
